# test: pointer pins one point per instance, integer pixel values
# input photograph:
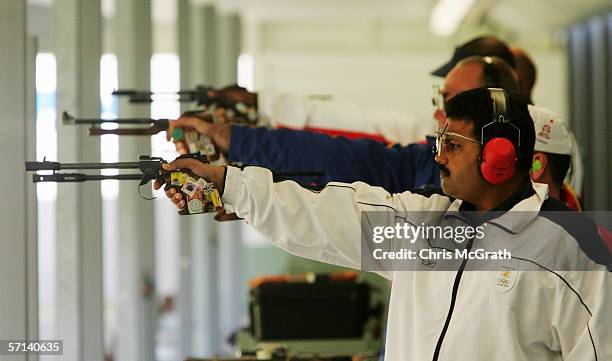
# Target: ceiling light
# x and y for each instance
(447, 15)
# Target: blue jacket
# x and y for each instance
(394, 168)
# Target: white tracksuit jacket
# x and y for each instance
(540, 315)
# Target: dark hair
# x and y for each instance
(559, 165)
(526, 71)
(482, 46)
(476, 105)
(496, 73)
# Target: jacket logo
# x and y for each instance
(428, 263)
(505, 278)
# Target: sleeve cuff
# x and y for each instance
(233, 186)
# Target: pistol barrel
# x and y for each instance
(46, 165)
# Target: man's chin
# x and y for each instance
(447, 186)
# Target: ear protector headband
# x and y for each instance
(490, 73)
(500, 140)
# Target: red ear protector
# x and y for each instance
(500, 140)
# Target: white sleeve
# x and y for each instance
(279, 109)
(394, 126)
(300, 111)
(583, 322)
(325, 225)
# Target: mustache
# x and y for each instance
(443, 169)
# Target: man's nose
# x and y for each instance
(440, 157)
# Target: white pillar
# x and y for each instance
(233, 295)
(205, 335)
(31, 201)
(232, 298)
(251, 44)
(17, 209)
(183, 300)
(210, 304)
(228, 33)
(138, 311)
(184, 37)
(203, 45)
(198, 293)
(77, 30)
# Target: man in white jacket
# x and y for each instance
(550, 301)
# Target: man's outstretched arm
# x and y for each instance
(393, 168)
(324, 226)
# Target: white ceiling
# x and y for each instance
(522, 19)
(525, 21)
(546, 14)
(40, 2)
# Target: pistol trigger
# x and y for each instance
(165, 180)
(145, 180)
(143, 197)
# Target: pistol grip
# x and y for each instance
(199, 195)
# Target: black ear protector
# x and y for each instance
(500, 141)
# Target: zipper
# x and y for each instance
(452, 305)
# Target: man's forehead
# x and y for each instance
(463, 77)
(460, 126)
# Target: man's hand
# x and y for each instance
(220, 133)
(210, 173)
(223, 216)
(235, 94)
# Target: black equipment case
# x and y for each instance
(324, 309)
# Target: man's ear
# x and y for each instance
(538, 168)
(440, 118)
